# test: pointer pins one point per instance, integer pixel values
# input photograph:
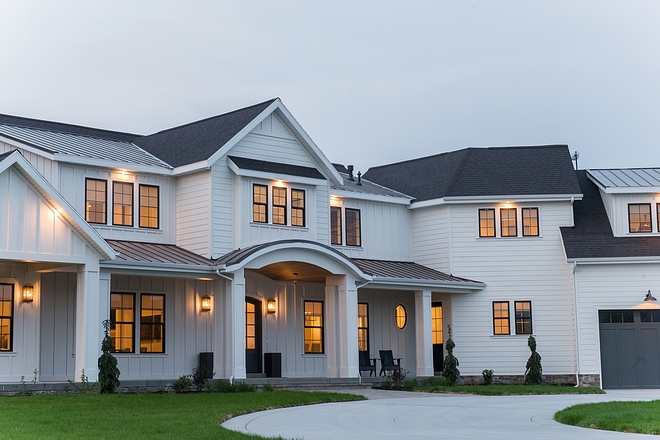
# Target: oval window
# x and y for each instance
(400, 316)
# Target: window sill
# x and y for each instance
(314, 355)
(271, 225)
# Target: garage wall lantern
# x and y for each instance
(271, 307)
(649, 297)
(206, 303)
(28, 293)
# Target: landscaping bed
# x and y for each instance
(637, 417)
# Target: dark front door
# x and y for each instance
(252, 335)
(437, 336)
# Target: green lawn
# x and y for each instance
(638, 417)
(509, 390)
(144, 416)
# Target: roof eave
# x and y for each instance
(275, 176)
(157, 267)
(109, 163)
(614, 260)
(444, 285)
(497, 199)
(345, 194)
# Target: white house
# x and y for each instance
(234, 237)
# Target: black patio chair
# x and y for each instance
(366, 363)
(388, 362)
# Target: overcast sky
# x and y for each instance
(372, 82)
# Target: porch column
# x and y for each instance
(234, 327)
(341, 327)
(423, 334)
(88, 331)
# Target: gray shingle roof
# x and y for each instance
(198, 140)
(592, 236)
(474, 172)
(156, 253)
(276, 168)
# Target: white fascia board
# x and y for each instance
(169, 270)
(369, 197)
(55, 198)
(497, 199)
(615, 260)
(407, 284)
(106, 163)
(191, 168)
(272, 176)
(48, 154)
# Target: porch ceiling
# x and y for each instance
(294, 271)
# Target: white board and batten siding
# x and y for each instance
(72, 187)
(193, 212)
(616, 206)
(48, 168)
(609, 287)
(385, 229)
(513, 268)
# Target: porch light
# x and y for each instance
(649, 297)
(271, 307)
(206, 303)
(28, 293)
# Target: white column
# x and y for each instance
(89, 331)
(234, 328)
(341, 344)
(423, 335)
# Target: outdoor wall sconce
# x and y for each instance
(28, 293)
(271, 307)
(649, 297)
(206, 303)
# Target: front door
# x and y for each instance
(436, 331)
(252, 335)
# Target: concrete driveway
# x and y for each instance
(404, 415)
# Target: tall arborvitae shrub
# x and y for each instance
(108, 371)
(450, 371)
(533, 373)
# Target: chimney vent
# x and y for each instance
(359, 178)
(350, 172)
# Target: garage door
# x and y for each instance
(630, 348)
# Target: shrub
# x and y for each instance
(242, 387)
(386, 384)
(108, 370)
(396, 377)
(450, 372)
(182, 384)
(221, 386)
(488, 376)
(199, 376)
(409, 385)
(533, 372)
(268, 388)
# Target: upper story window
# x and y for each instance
(486, 223)
(353, 231)
(122, 204)
(335, 225)
(281, 210)
(95, 197)
(260, 203)
(148, 206)
(530, 222)
(352, 234)
(639, 217)
(508, 222)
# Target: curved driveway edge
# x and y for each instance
(402, 415)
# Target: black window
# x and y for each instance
(313, 327)
(122, 204)
(122, 321)
(523, 311)
(148, 206)
(152, 324)
(363, 327)
(279, 206)
(260, 204)
(6, 316)
(639, 217)
(297, 207)
(530, 220)
(486, 223)
(508, 225)
(335, 225)
(353, 233)
(501, 318)
(95, 200)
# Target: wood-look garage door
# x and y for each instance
(630, 348)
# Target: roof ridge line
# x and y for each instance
(458, 172)
(66, 124)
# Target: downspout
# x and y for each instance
(577, 326)
(221, 275)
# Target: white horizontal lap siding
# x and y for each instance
(609, 287)
(48, 168)
(222, 210)
(430, 237)
(516, 268)
(271, 141)
(193, 212)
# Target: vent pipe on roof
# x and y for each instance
(575, 157)
(359, 178)
(350, 172)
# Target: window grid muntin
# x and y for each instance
(259, 203)
(313, 327)
(639, 218)
(122, 203)
(363, 327)
(96, 193)
(335, 225)
(152, 323)
(487, 222)
(149, 201)
(353, 231)
(279, 206)
(530, 221)
(122, 322)
(508, 225)
(501, 323)
(400, 316)
(523, 317)
(6, 317)
(298, 207)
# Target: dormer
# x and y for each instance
(631, 198)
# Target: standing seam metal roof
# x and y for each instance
(627, 178)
